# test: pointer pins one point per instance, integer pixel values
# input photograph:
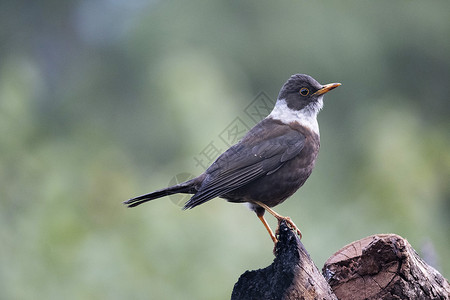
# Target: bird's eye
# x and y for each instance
(304, 91)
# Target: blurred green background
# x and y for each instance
(103, 100)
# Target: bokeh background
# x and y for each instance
(103, 100)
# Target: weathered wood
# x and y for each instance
(292, 275)
(383, 267)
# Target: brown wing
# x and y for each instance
(260, 153)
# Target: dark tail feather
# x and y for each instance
(187, 187)
(200, 198)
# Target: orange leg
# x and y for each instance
(274, 238)
(279, 218)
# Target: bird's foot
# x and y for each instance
(279, 218)
(290, 223)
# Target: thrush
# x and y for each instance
(270, 163)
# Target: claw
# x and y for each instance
(291, 224)
(279, 218)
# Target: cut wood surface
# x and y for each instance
(383, 266)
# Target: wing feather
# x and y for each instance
(253, 157)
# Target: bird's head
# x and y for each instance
(300, 100)
(302, 91)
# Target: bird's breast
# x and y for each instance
(274, 188)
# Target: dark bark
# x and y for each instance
(292, 275)
(377, 267)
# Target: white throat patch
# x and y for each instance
(306, 117)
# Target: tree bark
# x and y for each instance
(383, 266)
(292, 275)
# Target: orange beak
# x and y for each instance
(326, 88)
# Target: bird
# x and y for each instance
(270, 163)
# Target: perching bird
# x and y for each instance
(270, 163)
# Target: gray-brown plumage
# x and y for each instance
(270, 163)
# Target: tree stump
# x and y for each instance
(292, 275)
(383, 266)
